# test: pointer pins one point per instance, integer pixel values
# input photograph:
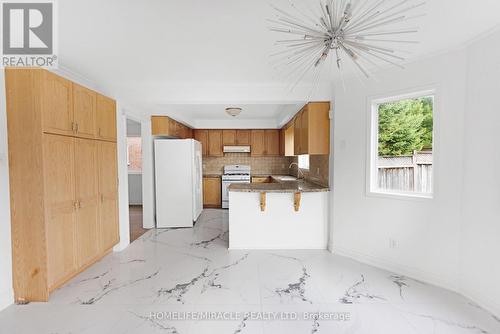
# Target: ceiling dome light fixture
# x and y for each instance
(233, 111)
(362, 33)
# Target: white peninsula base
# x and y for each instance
(279, 226)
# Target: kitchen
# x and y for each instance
(292, 160)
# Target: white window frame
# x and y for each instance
(308, 162)
(372, 145)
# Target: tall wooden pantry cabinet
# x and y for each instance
(63, 179)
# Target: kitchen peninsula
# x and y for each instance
(283, 214)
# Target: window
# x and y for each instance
(134, 154)
(402, 145)
(304, 161)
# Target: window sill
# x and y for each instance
(419, 197)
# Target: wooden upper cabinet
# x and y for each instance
(160, 125)
(272, 142)
(229, 137)
(258, 143)
(168, 127)
(304, 132)
(57, 104)
(60, 202)
(312, 129)
(87, 194)
(243, 137)
(289, 141)
(108, 195)
(106, 118)
(236, 137)
(215, 143)
(202, 137)
(84, 111)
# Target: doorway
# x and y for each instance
(134, 163)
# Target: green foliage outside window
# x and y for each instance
(405, 126)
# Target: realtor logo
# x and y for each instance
(28, 34)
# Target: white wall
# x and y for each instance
(452, 240)
(426, 230)
(148, 190)
(123, 212)
(480, 264)
(6, 291)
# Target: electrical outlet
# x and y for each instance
(393, 243)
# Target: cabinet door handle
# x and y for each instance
(102, 198)
(79, 204)
(73, 126)
(75, 205)
(99, 132)
(76, 128)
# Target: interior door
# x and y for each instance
(87, 194)
(57, 104)
(84, 111)
(60, 206)
(108, 195)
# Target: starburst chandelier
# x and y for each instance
(364, 33)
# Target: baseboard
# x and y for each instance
(485, 302)
(412, 272)
(6, 299)
(296, 247)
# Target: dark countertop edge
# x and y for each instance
(277, 188)
(212, 175)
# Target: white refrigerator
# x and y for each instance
(178, 182)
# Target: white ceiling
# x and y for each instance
(159, 54)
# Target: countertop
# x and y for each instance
(278, 187)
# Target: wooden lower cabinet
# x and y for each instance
(108, 196)
(63, 195)
(60, 213)
(87, 205)
(212, 192)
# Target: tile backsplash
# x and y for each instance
(318, 165)
(259, 165)
(318, 169)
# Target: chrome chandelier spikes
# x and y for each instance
(365, 32)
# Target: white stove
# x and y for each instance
(233, 174)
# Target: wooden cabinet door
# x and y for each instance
(212, 192)
(106, 118)
(202, 137)
(57, 104)
(87, 195)
(243, 137)
(229, 137)
(289, 141)
(296, 134)
(159, 125)
(272, 142)
(304, 132)
(215, 143)
(84, 111)
(59, 180)
(108, 195)
(258, 144)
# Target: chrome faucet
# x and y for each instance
(300, 172)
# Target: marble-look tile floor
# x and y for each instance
(189, 272)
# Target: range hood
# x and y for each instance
(236, 149)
